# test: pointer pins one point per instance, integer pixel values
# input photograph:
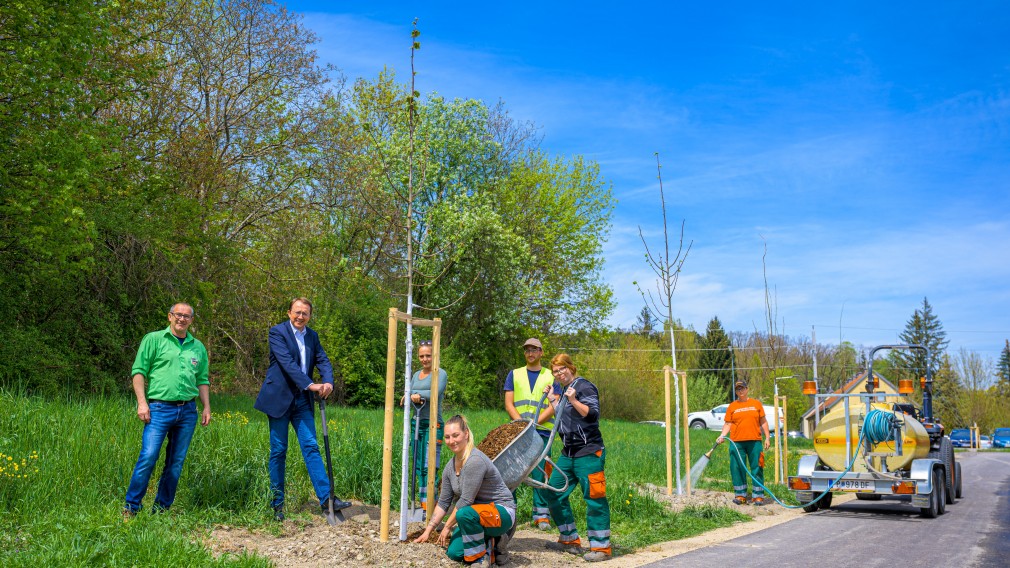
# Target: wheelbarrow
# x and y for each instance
(525, 452)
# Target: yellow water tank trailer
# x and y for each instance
(829, 438)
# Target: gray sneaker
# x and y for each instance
(562, 547)
(596, 556)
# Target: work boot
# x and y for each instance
(278, 514)
(337, 505)
(596, 556)
(128, 514)
(562, 547)
(544, 525)
(739, 500)
(758, 501)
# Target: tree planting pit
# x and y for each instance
(432, 538)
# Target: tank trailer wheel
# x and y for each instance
(946, 454)
(941, 496)
(825, 502)
(935, 496)
(957, 484)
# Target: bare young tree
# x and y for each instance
(667, 268)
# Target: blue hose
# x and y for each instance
(877, 428)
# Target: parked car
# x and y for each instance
(961, 438)
(985, 443)
(791, 434)
(715, 418)
(1001, 438)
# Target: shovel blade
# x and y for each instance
(335, 518)
(415, 515)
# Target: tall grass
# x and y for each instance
(61, 505)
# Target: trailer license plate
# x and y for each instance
(858, 486)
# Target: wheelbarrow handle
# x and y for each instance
(558, 412)
(543, 485)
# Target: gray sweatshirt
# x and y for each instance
(478, 482)
(423, 387)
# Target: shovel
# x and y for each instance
(333, 517)
(700, 465)
(415, 515)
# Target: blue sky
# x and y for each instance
(867, 145)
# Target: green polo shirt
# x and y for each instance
(172, 371)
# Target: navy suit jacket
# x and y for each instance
(285, 379)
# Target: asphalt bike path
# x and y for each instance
(974, 532)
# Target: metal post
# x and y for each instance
(817, 406)
(778, 438)
(785, 438)
(848, 432)
(676, 396)
(669, 445)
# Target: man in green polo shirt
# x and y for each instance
(174, 364)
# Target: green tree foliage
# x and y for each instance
(507, 239)
(705, 391)
(67, 176)
(1003, 371)
(716, 359)
(836, 366)
(976, 403)
(923, 328)
(947, 394)
(196, 151)
(628, 370)
(645, 324)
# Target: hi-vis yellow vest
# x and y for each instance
(526, 400)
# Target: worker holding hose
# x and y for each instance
(745, 423)
(420, 392)
(482, 508)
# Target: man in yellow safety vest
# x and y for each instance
(524, 387)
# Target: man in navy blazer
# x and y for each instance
(287, 396)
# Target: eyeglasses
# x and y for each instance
(531, 349)
(183, 316)
(425, 342)
(558, 371)
(302, 314)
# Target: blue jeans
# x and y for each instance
(300, 417)
(175, 423)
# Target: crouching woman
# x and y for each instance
(484, 509)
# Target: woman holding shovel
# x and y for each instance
(420, 392)
(484, 509)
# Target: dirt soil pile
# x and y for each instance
(499, 438)
(312, 543)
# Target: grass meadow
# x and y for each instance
(65, 465)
